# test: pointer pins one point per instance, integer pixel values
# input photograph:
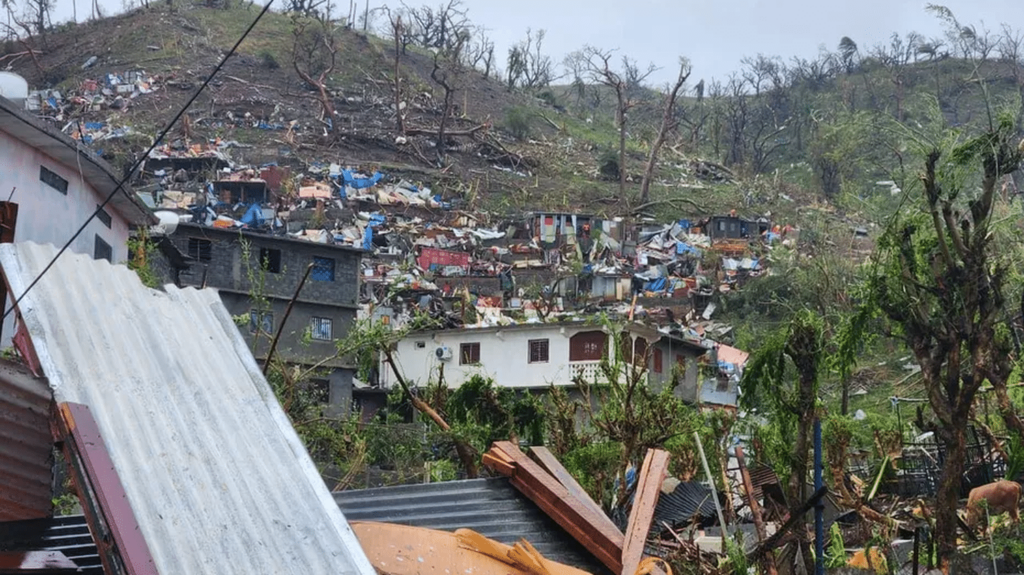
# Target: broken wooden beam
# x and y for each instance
(586, 527)
(648, 488)
(550, 463)
(755, 508)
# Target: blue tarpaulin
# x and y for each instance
(655, 285)
(360, 183)
(368, 238)
(685, 248)
(253, 216)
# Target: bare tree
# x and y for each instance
(397, 34)
(599, 70)
(309, 8)
(527, 67)
(314, 55)
(479, 52)
(669, 122)
(447, 73)
(895, 57)
(440, 27)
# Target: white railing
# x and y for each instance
(592, 373)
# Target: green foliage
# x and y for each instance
(141, 252)
(64, 504)
(835, 554)
(594, 467)
(519, 122)
(268, 61)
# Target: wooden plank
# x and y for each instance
(550, 463)
(496, 464)
(648, 488)
(565, 509)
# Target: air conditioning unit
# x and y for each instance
(444, 353)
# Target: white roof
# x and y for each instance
(217, 477)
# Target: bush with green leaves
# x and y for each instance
(519, 122)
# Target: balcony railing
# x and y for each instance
(591, 371)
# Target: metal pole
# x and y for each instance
(917, 548)
(819, 507)
(714, 492)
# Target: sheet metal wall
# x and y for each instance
(215, 474)
(25, 445)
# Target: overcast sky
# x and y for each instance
(714, 34)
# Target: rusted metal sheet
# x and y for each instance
(26, 472)
(37, 562)
(215, 474)
(122, 547)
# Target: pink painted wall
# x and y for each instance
(45, 215)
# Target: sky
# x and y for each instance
(714, 34)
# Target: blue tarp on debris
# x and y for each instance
(253, 216)
(360, 183)
(655, 285)
(685, 248)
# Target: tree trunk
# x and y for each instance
(668, 124)
(622, 146)
(948, 494)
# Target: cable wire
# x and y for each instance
(135, 166)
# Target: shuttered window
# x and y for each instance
(587, 346)
(469, 353)
(538, 351)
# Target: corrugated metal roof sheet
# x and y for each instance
(491, 507)
(25, 444)
(214, 472)
(68, 534)
(679, 506)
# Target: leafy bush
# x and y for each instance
(519, 122)
(608, 165)
(268, 61)
(593, 466)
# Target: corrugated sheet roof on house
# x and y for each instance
(25, 444)
(491, 507)
(216, 476)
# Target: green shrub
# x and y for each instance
(519, 122)
(268, 61)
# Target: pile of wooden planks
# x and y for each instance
(548, 484)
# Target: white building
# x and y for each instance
(56, 184)
(540, 355)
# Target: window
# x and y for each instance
(53, 180)
(265, 326)
(538, 351)
(102, 215)
(657, 360)
(320, 390)
(469, 353)
(102, 250)
(681, 362)
(200, 249)
(322, 328)
(587, 346)
(270, 260)
(640, 351)
(323, 269)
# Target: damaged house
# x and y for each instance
(235, 263)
